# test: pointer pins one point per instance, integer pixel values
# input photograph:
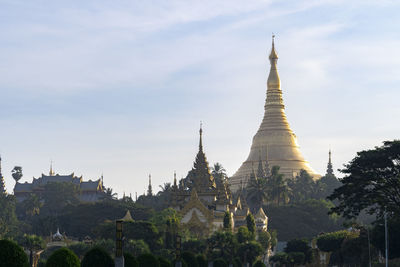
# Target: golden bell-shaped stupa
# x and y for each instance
(275, 144)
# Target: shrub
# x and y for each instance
(332, 241)
(130, 260)
(184, 264)
(190, 259)
(148, 260)
(220, 263)
(296, 258)
(281, 258)
(164, 262)
(79, 249)
(258, 264)
(137, 247)
(97, 257)
(201, 260)
(237, 262)
(299, 251)
(63, 257)
(12, 255)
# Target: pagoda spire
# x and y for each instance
(200, 175)
(175, 184)
(329, 169)
(149, 189)
(274, 93)
(2, 183)
(201, 137)
(274, 134)
(260, 169)
(51, 172)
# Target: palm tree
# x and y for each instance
(257, 191)
(32, 205)
(218, 172)
(278, 187)
(109, 194)
(17, 173)
(165, 188)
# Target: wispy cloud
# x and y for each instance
(118, 87)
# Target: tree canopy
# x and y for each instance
(63, 257)
(97, 257)
(12, 255)
(372, 182)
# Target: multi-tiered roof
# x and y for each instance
(274, 142)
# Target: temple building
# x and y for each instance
(275, 142)
(203, 200)
(329, 168)
(2, 183)
(90, 191)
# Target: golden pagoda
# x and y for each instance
(274, 143)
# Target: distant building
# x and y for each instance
(203, 200)
(90, 191)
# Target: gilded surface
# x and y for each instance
(274, 141)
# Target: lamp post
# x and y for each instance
(119, 253)
(178, 262)
(386, 241)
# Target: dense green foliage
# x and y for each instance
(280, 258)
(251, 224)
(63, 257)
(220, 262)
(299, 251)
(137, 247)
(58, 195)
(12, 255)
(378, 236)
(348, 247)
(258, 264)
(130, 260)
(190, 258)
(243, 235)
(222, 244)
(227, 221)
(248, 252)
(97, 257)
(33, 243)
(164, 262)
(330, 242)
(195, 245)
(302, 220)
(372, 182)
(8, 220)
(146, 260)
(201, 260)
(137, 230)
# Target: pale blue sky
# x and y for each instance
(119, 87)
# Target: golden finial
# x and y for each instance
(174, 178)
(51, 172)
(201, 136)
(273, 54)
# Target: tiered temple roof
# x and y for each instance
(90, 190)
(203, 200)
(274, 142)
